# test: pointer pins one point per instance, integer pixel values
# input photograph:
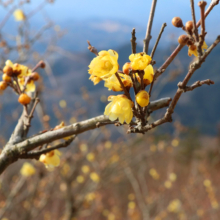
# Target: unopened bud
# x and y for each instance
(3, 85)
(126, 68)
(183, 39)
(35, 76)
(189, 25)
(177, 22)
(24, 99)
(8, 70)
(142, 98)
(6, 78)
(42, 64)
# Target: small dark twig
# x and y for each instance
(133, 41)
(92, 49)
(211, 6)
(36, 154)
(202, 5)
(195, 29)
(198, 84)
(158, 39)
(149, 26)
(123, 87)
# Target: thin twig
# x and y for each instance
(198, 84)
(211, 6)
(36, 154)
(158, 39)
(92, 49)
(149, 26)
(195, 29)
(202, 5)
(122, 85)
(133, 41)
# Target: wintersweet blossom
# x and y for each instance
(104, 65)
(95, 79)
(120, 107)
(22, 72)
(51, 159)
(148, 75)
(19, 15)
(113, 84)
(193, 49)
(139, 61)
(27, 170)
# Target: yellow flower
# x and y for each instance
(174, 206)
(131, 205)
(27, 170)
(94, 177)
(90, 196)
(51, 159)
(148, 74)
(22, 72)
(154, 174)
(104, 65)
(172, 177)
(120, 107)
(19, 15)
(85, 169)
(139, 61)
(95, 79)
(193, 49)
(80, 179)
(90, 157)
(142, 98)
(113, 84)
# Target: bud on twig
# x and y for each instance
(189, 26)
(183, 39)
(177, 22)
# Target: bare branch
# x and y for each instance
(36, 154)
(198, 84)
(133, 41)
(158, 39)
(92, 49)
(149, 26)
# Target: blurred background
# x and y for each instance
(168, 173)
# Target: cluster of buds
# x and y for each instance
(188, 38)
(21, 79)
(138, 73)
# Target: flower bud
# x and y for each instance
(126, 68)
(189, 25)
(3, 85)
(8, 70)
(24, 99)
(183, 39)
(142, 98)
(177, 22)
(42, 64)
(6, 78)
(35, 76)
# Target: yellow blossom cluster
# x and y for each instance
(105, 67)
(20, 78)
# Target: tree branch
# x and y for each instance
(149, 26)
